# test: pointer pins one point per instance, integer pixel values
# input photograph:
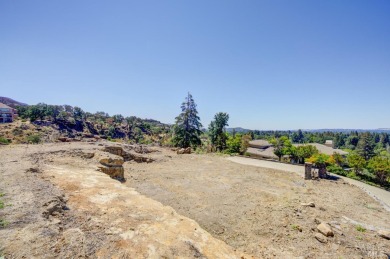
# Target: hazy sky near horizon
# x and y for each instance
(269, 64)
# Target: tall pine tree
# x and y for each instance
(187, 129)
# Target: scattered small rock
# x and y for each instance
(325, 230)
(33, 170)
(52, 207)
(384, 233)
(310, 204)
(338, 232)
(184, 151)
(321, 238)
(87, 155)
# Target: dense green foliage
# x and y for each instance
(341, 140)
(301, 153)
(187, 129)
(368, 157)
(4, 141)
(282, 146)
(217, 131)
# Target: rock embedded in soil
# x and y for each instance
(310, 204)
(325, 229)
(384, 233)
(184, 151)
(321, 238)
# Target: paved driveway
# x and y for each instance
(382, 196)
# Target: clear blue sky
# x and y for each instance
(269, 64)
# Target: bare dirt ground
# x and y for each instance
(60, 206)
(381, 195)
(259, 210)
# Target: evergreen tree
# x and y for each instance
(365, 146)
(217, 132)
(297, 137)
(187, 129)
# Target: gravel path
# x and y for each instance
(382, 196)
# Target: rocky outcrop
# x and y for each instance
(127, 156)
(113, 166)
(113, 163)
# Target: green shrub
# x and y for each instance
(34, 139)
(4, 141)
(360, 228)
(3, 223)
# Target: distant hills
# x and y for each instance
(11, 102)
(380, 130)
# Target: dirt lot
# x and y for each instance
(59, 206)
(259, 210)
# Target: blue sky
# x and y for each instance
(269, 64)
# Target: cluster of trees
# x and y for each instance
(341, 140)
(71, 120)
(369, 159)
(187, 131)
(298, 154)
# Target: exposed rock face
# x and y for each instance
(184, 151)
(325, 229)
(127, 156)
(114, 172)
(114, 150)
(113, 166)
(112, 162)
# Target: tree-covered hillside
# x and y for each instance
(73, 121)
